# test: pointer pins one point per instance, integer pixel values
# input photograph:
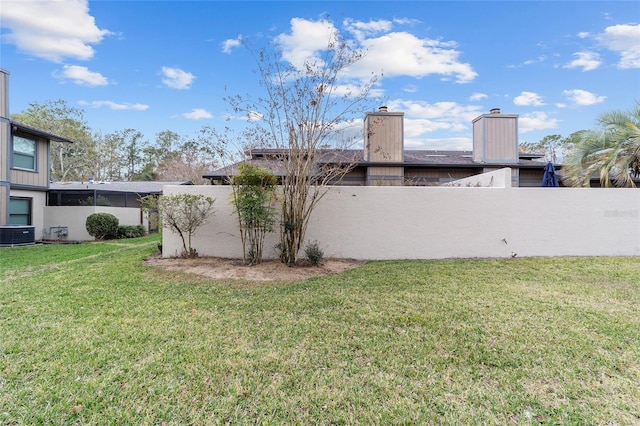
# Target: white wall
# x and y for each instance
(500, 178)
(38, 201)
(445, 222)
(75, 218)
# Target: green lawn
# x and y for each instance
(90, 335)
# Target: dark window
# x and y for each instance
(19, 211)
(24, 153)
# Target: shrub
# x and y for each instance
(102, 226)
(183, 214)
(131, 231)
(314, 253)
(254, 198)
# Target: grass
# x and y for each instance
(90, 335)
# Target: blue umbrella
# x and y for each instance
(550, 179)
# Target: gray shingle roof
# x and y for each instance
(138, 187)
(412, 158)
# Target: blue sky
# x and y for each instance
(165, 65)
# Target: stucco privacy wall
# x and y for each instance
(75, 218)
(445, 222)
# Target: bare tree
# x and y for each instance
(305, 109)
(194, 157)
(183, 214)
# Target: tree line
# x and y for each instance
(123, 155)
(610, 152)
(304, 108)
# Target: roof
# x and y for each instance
(16, 125)
(138, 187)
(270, 158)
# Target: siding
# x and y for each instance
(478, 141)
(495, 138)
(4, 96)
(531, 178)
(384, 140)
(501, 139)
(4, 151)
(387, 176)
(4, 204)
(39, 178)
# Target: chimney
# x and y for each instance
(494, 111)
(382, 109)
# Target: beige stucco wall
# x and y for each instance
(74, 218)
(38, 202)
(446, 222)
(500, 178)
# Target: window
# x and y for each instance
(19, 211)
(24, 153)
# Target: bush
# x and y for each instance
(131, 231)
(314, 253)
(102, 226)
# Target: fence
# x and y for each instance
(444, 222)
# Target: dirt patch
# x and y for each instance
(269, 270)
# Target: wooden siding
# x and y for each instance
(495, 138)
(386, 176)
(4, 97)
(4, 151)
(4, 204)
(478, 141)
(384, 140)
(39, 178)
(531, 178)
(501, 139)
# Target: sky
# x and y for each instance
(167, 65)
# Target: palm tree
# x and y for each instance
(612, 153)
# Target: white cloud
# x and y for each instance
(588, 61)
(361, 29)
(424, 120)
(307, 38)
(477, 97)
(197, 114)
(51, 30)
(410, 88)
(82, 76)
(440, 144)
(406, 21)
(403, 54)
(393, 53)
(177, 78)
(528, 99)
(350, 90)
(230, 44)
(624, 40)
(249, 117)
(538, 60)
(536, 121)
(115, 105)
(582, 97)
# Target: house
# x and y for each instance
(32, 208)
(68, 205)
(24, 175)
(384, 161)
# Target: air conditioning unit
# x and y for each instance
(17, 235)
